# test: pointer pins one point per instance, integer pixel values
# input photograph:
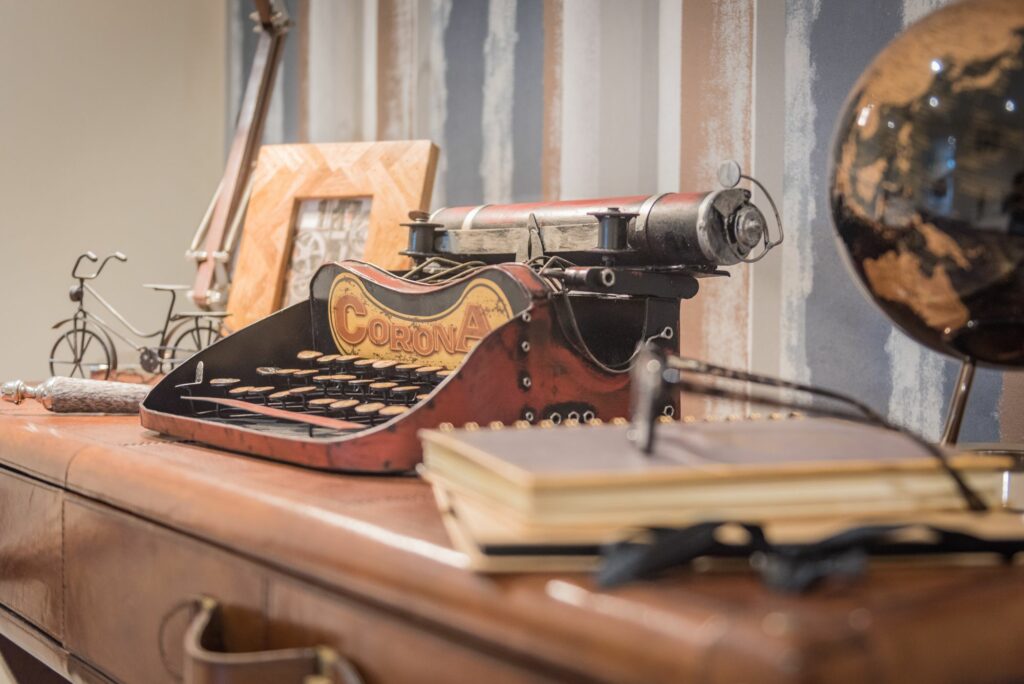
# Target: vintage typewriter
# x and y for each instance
(514, 313)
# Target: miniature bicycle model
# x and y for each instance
(86, 347)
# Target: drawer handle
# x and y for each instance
(205, 664)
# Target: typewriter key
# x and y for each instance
(321, 403)
(327, 359)
(286, 374)
(384, 366)
(304, 392)
(426, 372)
(223, 383)
(309, 372)
(392, 411)
(406, 370)
(280, 395)
(343, 406)
(267, 370)
(308, 355)
(404, 393)
(442, 374)
(260, 393)
(363, 366)
(369, 410)
(238, 391)
(358, 386)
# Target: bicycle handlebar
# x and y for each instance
(91, 256)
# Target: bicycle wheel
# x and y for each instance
(193, 337)
(81, 353)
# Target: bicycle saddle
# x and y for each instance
(199, 314)
(166, 288)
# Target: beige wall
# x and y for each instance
(111, 138)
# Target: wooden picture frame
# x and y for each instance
(395, 176)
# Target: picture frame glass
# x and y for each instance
(325, 230)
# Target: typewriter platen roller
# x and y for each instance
(540, 324)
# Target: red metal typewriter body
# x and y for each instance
(505, 344)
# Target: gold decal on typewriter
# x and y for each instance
(362, 325)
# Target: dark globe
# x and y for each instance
(927, 186)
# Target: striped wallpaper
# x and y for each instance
(531, 99)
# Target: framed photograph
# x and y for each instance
(317, 203)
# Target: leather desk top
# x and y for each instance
(382, 540)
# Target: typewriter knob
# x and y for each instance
(421, 234)
(613, 227)
(749, 228)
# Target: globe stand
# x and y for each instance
(1013, 479)
(957, 403)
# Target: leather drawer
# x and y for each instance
(128, 584)
(30, 546)
(383, 647)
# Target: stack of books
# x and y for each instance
(517, 499)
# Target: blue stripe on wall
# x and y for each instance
(464, 47)
(528, 102)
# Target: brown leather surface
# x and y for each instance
(129, 585)
(299, 616)
(379, 543)
(30, 550)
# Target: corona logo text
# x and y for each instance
(362, 325)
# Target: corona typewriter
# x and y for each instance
(512, 314)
